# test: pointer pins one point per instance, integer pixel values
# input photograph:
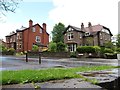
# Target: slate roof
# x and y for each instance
(93, 30)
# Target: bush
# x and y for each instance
(108, 50)
(97, 49)
(52, 47)
(61, 47)
(11, 51)
(3, 48)
(35, 48)
(118, 50)
(73, 54)
(86, 49)
(110, 56)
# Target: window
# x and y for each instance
(37, 39)
(100, 35)
(33, 29)
(20, 36)
(40, 30)
(80, 35)
(20, 46)
(70, 36)
(70, 29)
(87, 33)
(72, 47)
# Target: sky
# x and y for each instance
(69, 12)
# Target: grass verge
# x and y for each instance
(28, 76)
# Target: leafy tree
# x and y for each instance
(57, 33)
(118, 41)
(8, 5)
(61, 47)
(52, 47)
(35, 48)
(3, 48)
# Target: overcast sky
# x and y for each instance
(73, 12)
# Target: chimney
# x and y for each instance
(82, 26)
(44, 26)
(89, 24)
(30, 23)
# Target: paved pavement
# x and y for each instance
(69, 83)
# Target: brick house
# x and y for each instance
(96, 35)
(25, 38)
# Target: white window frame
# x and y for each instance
(87, 33)
(69, 36)
(20, 45)
(80, 35)
(72, 47)
(36, 39)
(33, 29)
(40, 30)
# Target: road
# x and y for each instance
(18, 63)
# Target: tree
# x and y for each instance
(8, 6)
(118, 41)
(57, 33)
(52, 47)
(61, 47)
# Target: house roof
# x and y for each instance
(74, 28)
(24, 28)
(93, 30)
(11, 34)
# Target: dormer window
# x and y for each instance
(33, 29)
(70, 29)
(87, 33)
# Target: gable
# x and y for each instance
(72, 28)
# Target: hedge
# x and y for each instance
(88, 49)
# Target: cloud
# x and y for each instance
(7, 28)
(74, 12)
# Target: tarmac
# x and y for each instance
(77, 83)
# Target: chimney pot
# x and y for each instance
(30, 23)
(44, 26)
(82, 26)
(89, 24)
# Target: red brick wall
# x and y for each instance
(30, 39)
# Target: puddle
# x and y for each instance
(107, 79)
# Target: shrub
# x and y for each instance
(109, 45)
(108, 50)
(97, 49)
(52, 47)
(73, 54)
(110, 56)
(118, 50)
(86, 49)
(3, 48)
(60, 47)
(11, 51)
(35, 48)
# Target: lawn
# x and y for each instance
(28, 76)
